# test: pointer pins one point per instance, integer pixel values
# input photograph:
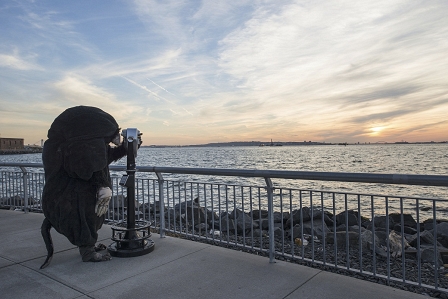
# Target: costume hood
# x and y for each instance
(82, 133)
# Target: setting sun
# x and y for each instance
(375, 131)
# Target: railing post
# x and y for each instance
(25, 187)
(162, 205)
(270, 190)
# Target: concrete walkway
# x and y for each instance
(175, 269)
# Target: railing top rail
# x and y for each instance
(384, 178)
(17, 164)
(407, 179)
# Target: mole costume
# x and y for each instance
(77, 181)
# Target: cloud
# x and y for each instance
(162, 64)
(16, 62)
(320, 56)
(302, 44)
(75, 90)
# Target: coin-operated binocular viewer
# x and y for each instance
(131, 237)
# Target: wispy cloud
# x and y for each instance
(14, 61)
(76, 90)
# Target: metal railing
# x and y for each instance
(399, 239)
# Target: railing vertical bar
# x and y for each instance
(252, 218)
(281, 217)
(192, 209)
(372, 206)
(419, 264)
(359, 234)
(212, 199)
(259, 217)
(436, 250)
(181, 222)
(11, 199)
(235, 226)
(30, 189)
(244, 216)
(323, 230)
(387, 240)
(34, 186)
(403, 260)
(198, 188)
(172, 208)
(137, 198)
(2, 190)
(301, 226)
(161, 205)
(148, 196)
(291, 225)
(335, 244)
(228, 216)
(220, 213)
(312, 226)
(347, 244)
(205, 211)
(154, 203)
(25, 188)
(270, 190)
(145, 198)
(39, 194)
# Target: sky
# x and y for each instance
(195, 72)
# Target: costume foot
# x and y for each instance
(98, 257)
(89, 254)
(100, 247)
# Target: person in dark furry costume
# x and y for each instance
(77, 187)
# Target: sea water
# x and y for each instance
(423, 159)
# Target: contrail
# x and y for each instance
(155, 94)
(188, 111)
(160, 86)
(147, 89)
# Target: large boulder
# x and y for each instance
(406, 229)
(316, 227)
(152, 208)
(295, 232)
(306, 214)
(426, 238)
(380, 222)
(408, 220)
(428, 255)
(297, 216)
(347, 216)
(372, 242)
(259, 214)
(185, 205)
(237, 221)
(341, 238)
(442, 233)
(196, 215)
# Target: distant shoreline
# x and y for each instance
(289, 143)
(36, 150)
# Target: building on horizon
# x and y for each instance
(11, 143)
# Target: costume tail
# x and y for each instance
(45, 230)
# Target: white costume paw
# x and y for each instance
(102, 201)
